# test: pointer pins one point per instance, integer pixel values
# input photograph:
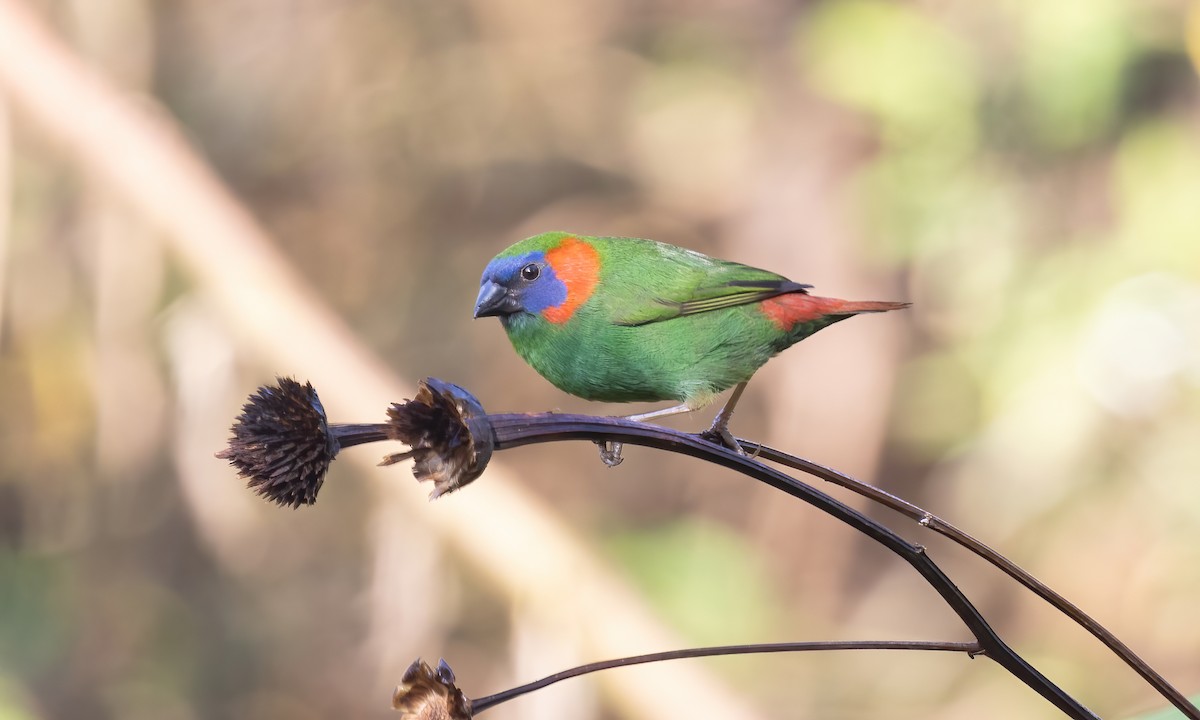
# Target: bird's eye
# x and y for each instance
(530, 272)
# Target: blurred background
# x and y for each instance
(1026, 173)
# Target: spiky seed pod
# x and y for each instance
(448, 432)
(281, 443)
(425, 694)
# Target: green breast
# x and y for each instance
(680, 359)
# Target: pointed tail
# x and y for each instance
(834, 306)
(803, 314)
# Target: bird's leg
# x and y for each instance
(610, 452)
(720, 426)
(676, 410)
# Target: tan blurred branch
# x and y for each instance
(140, 155)
(6, 192)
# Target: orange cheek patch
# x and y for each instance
(577, 265)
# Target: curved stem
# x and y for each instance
(940, 526)
(350, 435)
(514, 430)
(483, 703)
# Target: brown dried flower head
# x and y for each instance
(281, 443)
(426, 694)
(448, 432)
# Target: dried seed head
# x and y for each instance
(448, 432)
(425, 694)
(281, 443)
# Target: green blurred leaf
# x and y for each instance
(890, 60)
(705, 578)
(12, 705)
(1072, 61)
(1169, 713)
(941, 390)
(1157, 188)
(34, 619)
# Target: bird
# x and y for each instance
(622, 320)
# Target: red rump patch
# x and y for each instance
(577, 265)
(788, 311)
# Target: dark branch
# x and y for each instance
(513, 430)
(483, 703)
(452, 440)
(940, 526)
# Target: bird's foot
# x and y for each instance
(610, 452)
(720, 435)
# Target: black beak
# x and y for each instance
(495, 300)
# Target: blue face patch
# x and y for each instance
(546, 291)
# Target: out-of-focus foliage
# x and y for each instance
(1026, 172)
(1168, 714)
(679, 562)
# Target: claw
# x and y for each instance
(730, 441)
(722, 436)
(610, 452)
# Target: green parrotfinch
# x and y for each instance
(631, 320)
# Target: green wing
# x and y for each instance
(708, 298)
(672, 282)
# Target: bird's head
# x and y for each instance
(548, 275)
